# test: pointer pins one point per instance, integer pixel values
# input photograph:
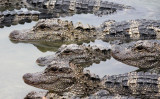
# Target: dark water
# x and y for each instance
(18, 59)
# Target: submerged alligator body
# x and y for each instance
(142, 54)
(58, 30)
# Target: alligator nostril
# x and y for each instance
(13, 34)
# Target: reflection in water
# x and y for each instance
(52, 46)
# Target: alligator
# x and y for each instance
(11, 4)
(142, 85)
(65, 76)
(134, 85)
(142, 54)
(98, 7)
(82, 54)
(9, 16)
(58, 30)
(68, 63)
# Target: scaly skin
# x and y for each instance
(130, 85)
(143, 85)
(65, 70)
(76, 54)
(58, 30)
(11, 4)
(98, 7)
(8, 18)
(54, 30)
(141, 54)
(11, 15)
(101, 94)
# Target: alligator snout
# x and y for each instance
(27, 78)
(41, 61)
(28, 75)
(14, 35)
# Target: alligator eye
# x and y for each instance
(65, 70)
(67, 52)
(141, 48)
(60, 70)
(42, 26)
(53, 69)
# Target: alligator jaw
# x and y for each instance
(14, 35)
(141, 54)
(56, 83)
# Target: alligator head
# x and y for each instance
(142, 54)
(64, 70)
(82, 54)
(57, 79)
(54, 30)
(61, 80)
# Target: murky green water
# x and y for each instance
(18, 59)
